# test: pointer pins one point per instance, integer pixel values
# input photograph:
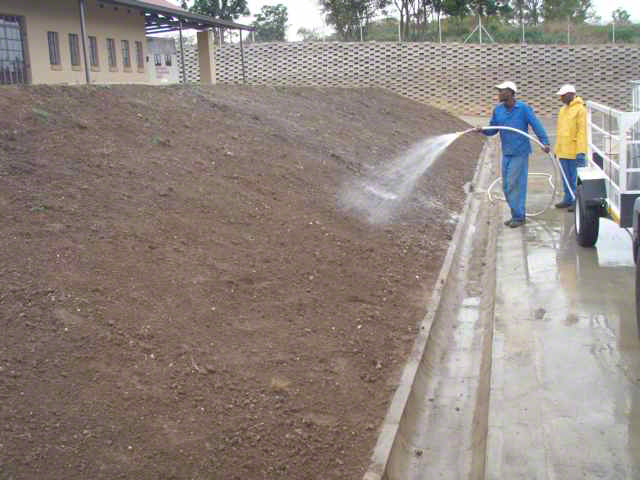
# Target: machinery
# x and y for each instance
(609, 186)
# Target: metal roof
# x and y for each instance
(160, 16)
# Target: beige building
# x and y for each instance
(93, 41)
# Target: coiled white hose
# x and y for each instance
(554, 162)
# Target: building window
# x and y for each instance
(54, 48)
(126, 57)
(167, 60)
(111, 49)
(93, 52)
(157, 60)
(12, 65)
(140, 55)
(74, 49)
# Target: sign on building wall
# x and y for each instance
(163, 68)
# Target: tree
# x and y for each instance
(404, 7)
(456, 8)
(534, 11)
(309, 35)
(484, 8)
(621, 16)
(222, 9)
(578, 10)
(348, 16)
(271, 23)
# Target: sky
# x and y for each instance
(302, 14)
(307, 13)
(605, 7)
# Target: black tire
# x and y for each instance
(587, 221)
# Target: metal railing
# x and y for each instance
(611, 137)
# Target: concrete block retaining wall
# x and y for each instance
(455, 77)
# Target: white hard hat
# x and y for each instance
(509, 85)
(566, 89)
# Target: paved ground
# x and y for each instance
(565, 380)
(531, 360)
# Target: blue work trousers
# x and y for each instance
(570, 169)
(515, 170)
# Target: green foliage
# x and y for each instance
(309, 35)
(456, 8)
(458, 29)
(223, 9)
(271, 23)
(545, 21)
(41, 114)
(577, 10)
(40, 208)
(621, 16)
(385, 30)
(626, 34)
(482, 7)
(348, 16)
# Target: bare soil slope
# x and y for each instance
(181, 296)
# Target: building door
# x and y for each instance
(12, 57)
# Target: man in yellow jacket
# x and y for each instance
(571, 140)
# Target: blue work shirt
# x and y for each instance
(520, 117)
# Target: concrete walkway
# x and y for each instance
(527, 364)
(565, 377)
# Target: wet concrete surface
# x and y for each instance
(444, 427)
(565, 376)
(529, 365)
(436, 426)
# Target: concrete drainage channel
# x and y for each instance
(436, 425)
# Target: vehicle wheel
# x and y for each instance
(587, 221)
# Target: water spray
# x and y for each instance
(382, 192)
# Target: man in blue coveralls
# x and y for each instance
(515, 148)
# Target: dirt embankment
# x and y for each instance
(181, 297)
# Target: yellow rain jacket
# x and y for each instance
(571, 130)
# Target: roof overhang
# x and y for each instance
(159, 19)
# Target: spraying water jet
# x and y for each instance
(382, 192)
(378, 196)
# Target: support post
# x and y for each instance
(182, 67)
(244, 69)
(83, 34)
(613, 26)
(206, 58)
(470, 35)
(589, 137)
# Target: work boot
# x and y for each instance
(508, 222)
(563, 204)
(572, 208)
(517, 222)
